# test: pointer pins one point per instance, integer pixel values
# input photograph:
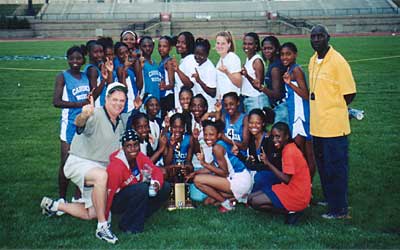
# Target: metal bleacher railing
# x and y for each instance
(220, 14)
(339, 12)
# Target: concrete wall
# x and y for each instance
(16, 33)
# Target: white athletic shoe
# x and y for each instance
(49, 206)
(104, 233)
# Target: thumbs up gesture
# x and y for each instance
(88, 109)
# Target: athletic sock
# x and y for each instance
(102, 224)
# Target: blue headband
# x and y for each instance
(148, 97)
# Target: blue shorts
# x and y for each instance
(273, 197)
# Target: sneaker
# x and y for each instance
(226, 206)
(60, 213)
(104, 233)
(334, 216)
(292, 218)
(322, 203)
(49, 206)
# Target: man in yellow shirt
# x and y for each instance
(332, 88)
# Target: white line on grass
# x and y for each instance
(350, 61)
(46, 70)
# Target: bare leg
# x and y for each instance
(212, 185)
(62, 180)
(260, 201)
(310, 158)
(97, 177)
(78, 210)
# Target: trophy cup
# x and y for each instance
(180, 192)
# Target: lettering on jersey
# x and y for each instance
(129, 180)
(77, 91)
(230, 133)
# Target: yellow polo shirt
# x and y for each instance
(330, 80)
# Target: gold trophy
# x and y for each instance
(180, 191)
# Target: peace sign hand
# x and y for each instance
(196, 75)
(222, 68)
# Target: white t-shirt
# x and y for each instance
(247, 88)
(187, 65)
(224, 85)
(208, 74)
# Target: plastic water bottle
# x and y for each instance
(152, 189)
(356, 113)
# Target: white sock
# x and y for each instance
(102, 224)
(55, 206)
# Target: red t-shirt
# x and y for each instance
(296, 195)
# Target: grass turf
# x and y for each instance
(29, 158)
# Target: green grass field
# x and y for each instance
(29, 158)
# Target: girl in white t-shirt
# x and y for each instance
(253, 74)
(228, 67)
(205, 76)
(187, 65)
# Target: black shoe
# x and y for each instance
(293, 217)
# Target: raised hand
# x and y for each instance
(263, 157)
(200, 156)
(235, 148)
(109, 64)
(286, 77)
(244, 71)
(88, 109)
(138, 101)
(196, 75)
(218, 105)
(174, 64)
(162, 85)
(222, 68)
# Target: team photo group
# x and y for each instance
(138, 134)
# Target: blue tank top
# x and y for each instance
(161, 69)
(181, 153)
(75, 90)
(234, 131)
(277, 63)
(237, 165)
(293, 99)
(101, 100)
(151, 78)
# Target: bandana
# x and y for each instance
(129, 135)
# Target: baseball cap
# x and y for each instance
(116, 86)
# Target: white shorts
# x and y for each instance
(240, 185)
(75, 168)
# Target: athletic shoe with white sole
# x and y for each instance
(104, 233)
(49, 206)
(226, 206)
(59, 213)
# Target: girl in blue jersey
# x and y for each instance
(226, 177)
(71, 94)
(167, 100)
(274, 86)
(236, 123)
(129, 73)
(151, 75)
(179, 149)
(94, 69)
(297, 101)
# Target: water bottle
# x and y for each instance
(356, 113)
(152, 189)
